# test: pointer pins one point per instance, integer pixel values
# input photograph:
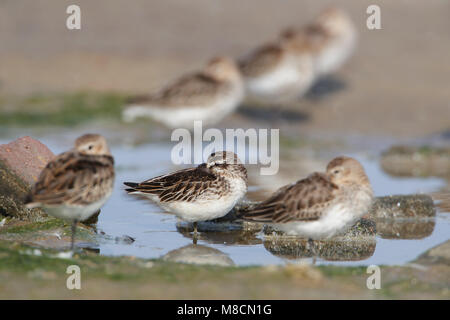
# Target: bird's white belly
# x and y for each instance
(73, 212)
(203, 209)
(336, 221)
(184, 116)
(289, 80)
(275, 82)
(332, 57)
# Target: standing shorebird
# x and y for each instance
(77, 183)
(208, 95)
(331, 39)
(204, 193)
(278, 72)
(321, 205)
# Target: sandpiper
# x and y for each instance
(77, 183)
(281, 71)
(203, 193)
(331, 39)
(321, 205)
(208, 95)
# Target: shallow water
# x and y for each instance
(156, 234)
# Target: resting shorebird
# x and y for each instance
(77, 183)
(331, 39)
(278, 72)
(208, 95)
(321, 205)
(206, 192)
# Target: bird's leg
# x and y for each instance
(74, 230)
(195, 228)
(313, 251)
(195, 233)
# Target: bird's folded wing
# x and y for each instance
(261, 60)
(303, 201)
(75, 179)
(183, 185)
(193, 89)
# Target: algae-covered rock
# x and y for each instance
(329, 250)
(403, 206)
(416, 161)
(12, 194)
(21, 162)
(26, 157)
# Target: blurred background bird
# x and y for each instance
(208, 95)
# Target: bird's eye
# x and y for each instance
(336, 171)
(213, 154)
(90, 147)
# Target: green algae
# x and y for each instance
(60, 109)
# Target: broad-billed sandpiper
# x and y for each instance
(208, 95)
(321, 205)
(203, 193)
(77, 183)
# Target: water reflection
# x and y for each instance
(443, 200)
(329, 250)
(405, 228)
(220, 234)
(199, 254)
(357, 244)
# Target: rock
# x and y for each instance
(199, 254)
(329, 250)
(416, 161)
(21, 162)
(403, 206)
(26, 157)
(344, 248)
(12, 194)
(437, 255)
